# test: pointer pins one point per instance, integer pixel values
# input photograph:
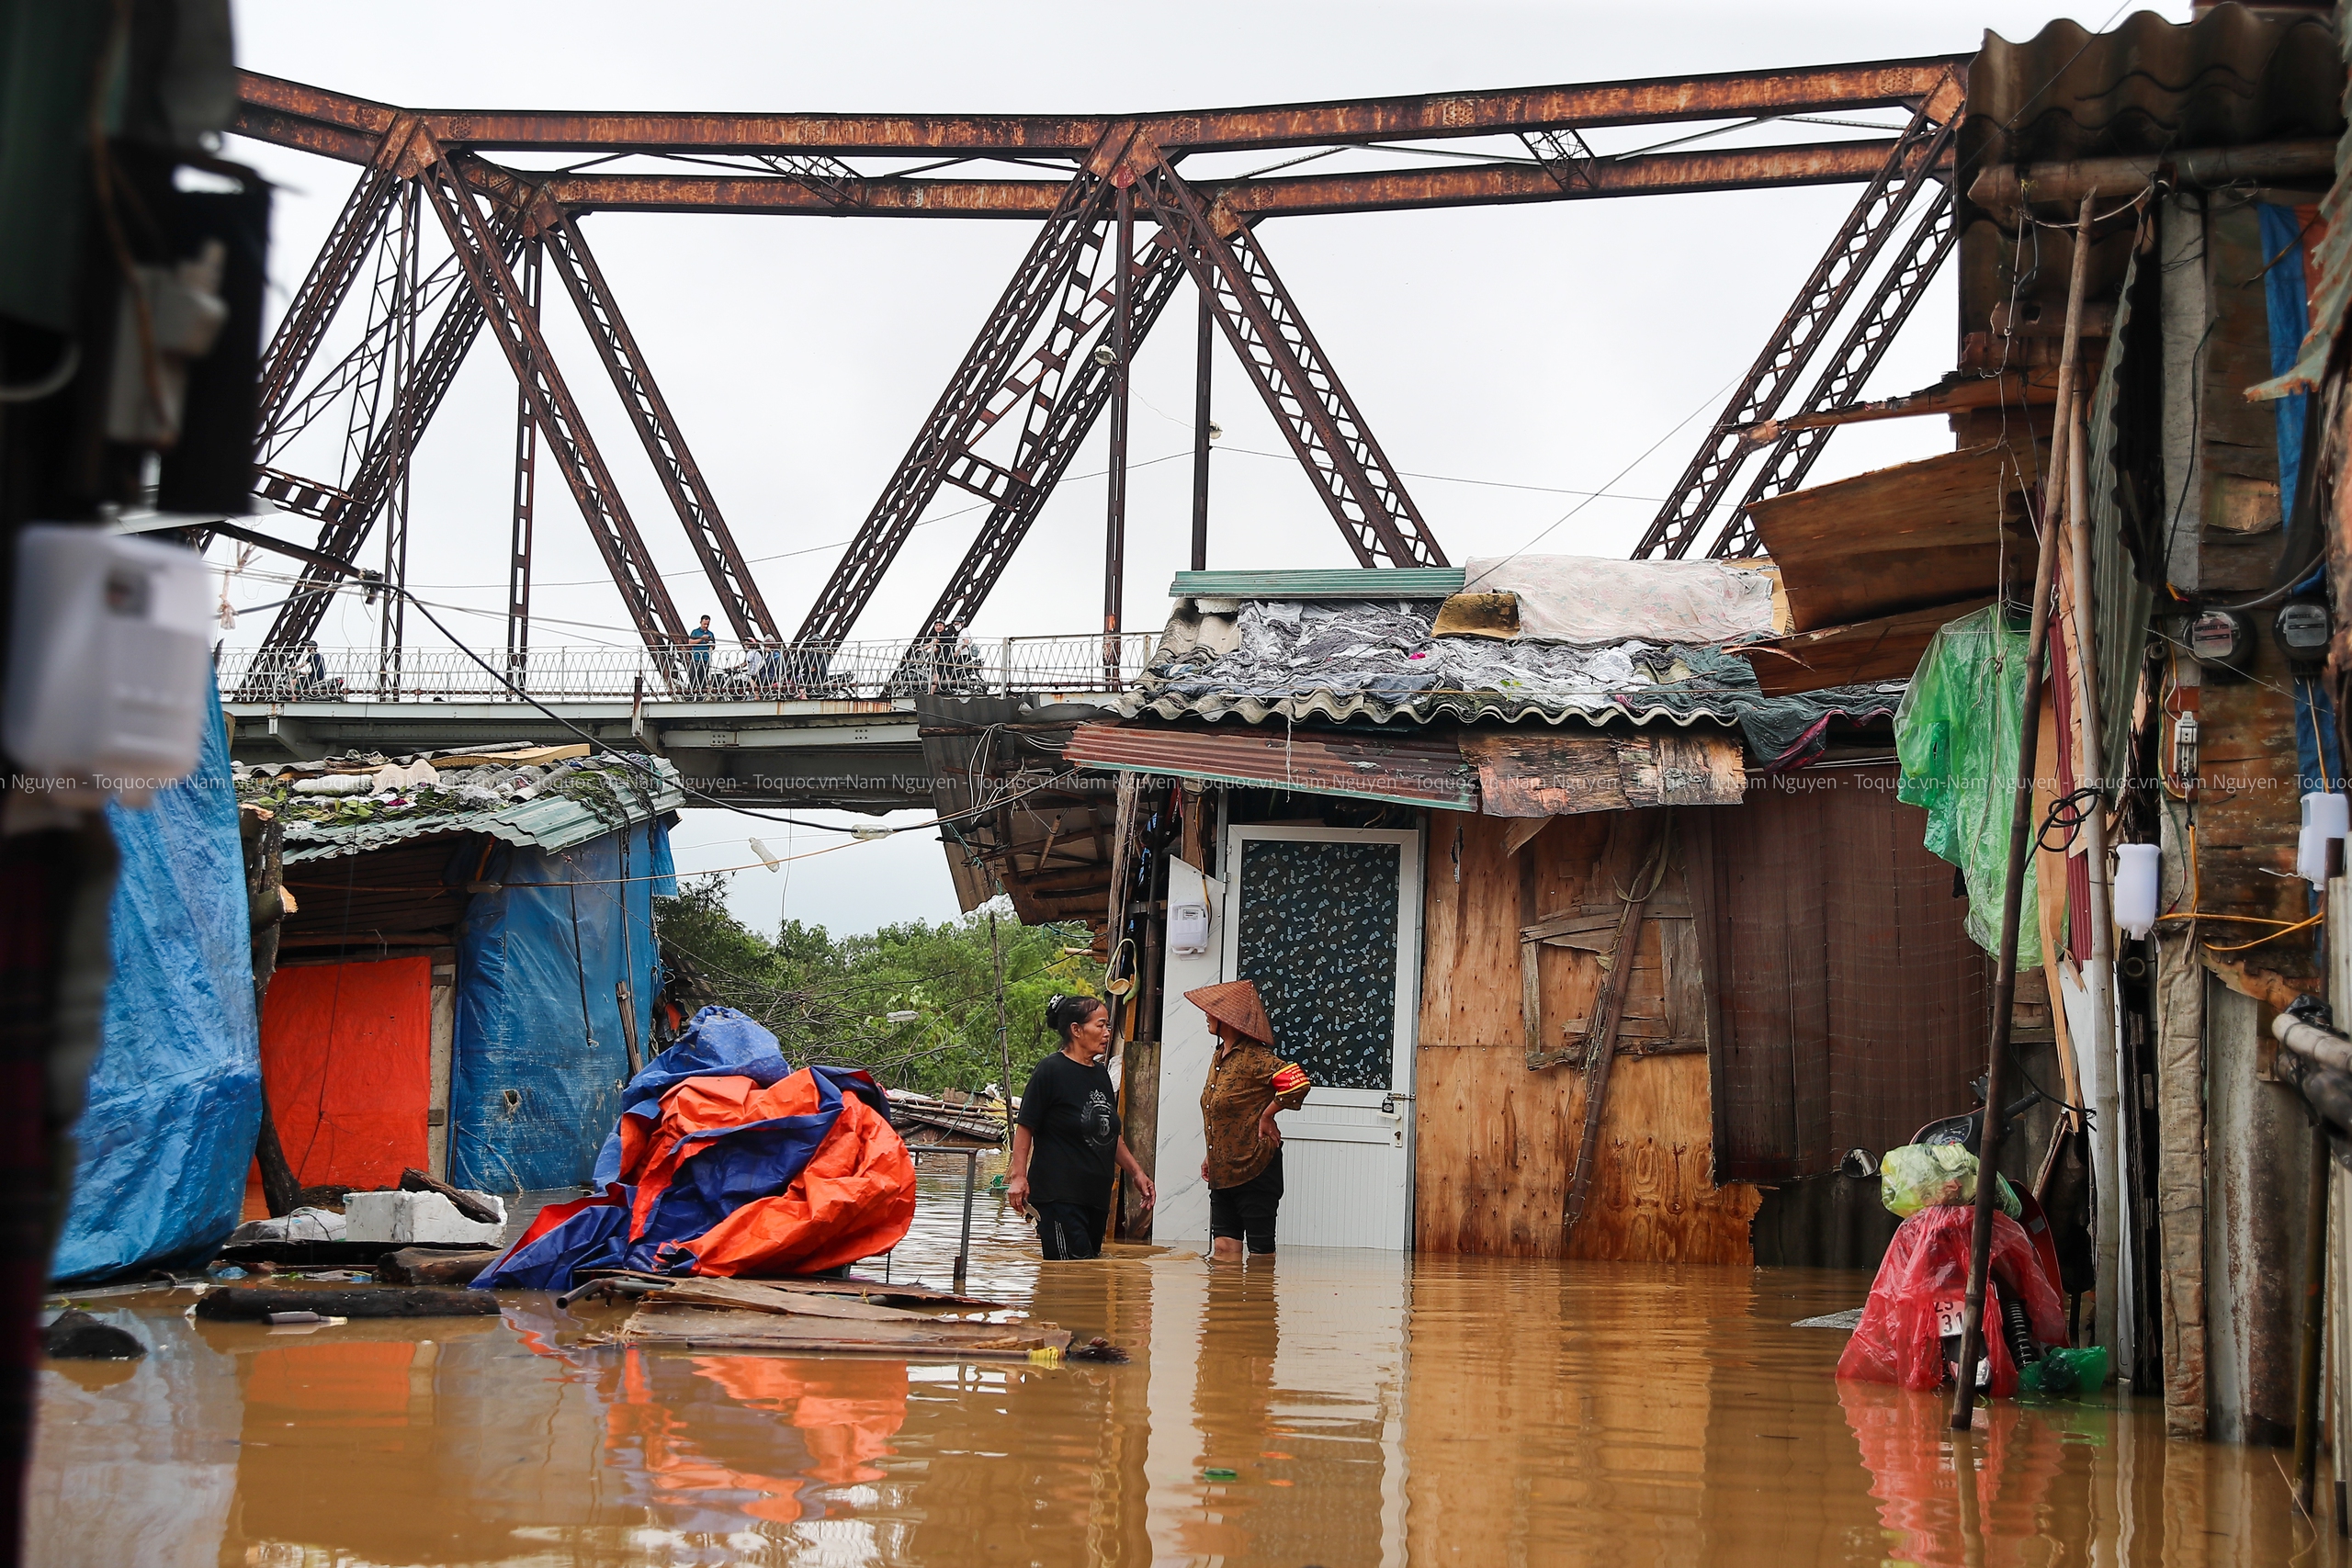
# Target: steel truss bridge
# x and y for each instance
(1119, 232)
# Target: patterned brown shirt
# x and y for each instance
(1240, 1087)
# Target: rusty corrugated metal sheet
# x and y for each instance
(2227, 79)
(1409, 770)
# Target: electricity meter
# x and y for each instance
(2221, 640)
(2301, 629)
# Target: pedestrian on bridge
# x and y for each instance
(699, 644)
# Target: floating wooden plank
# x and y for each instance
(750, 1295)
(853, 1287)
(1900, 538)
(1525, 774)
(705, 1329)
(1887, 649)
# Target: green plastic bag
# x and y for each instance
(1928, 1176)
(2064, 1371)
(1956, 734)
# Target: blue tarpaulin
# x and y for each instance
(715, 1041)
(2289, 305)
(175, 1101)
(673, 1174)
(539, 1056)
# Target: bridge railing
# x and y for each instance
(1086, 661)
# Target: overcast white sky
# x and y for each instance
(1534, 350)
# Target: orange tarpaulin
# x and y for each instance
(346, 1061)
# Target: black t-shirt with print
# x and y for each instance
(1072, 1114)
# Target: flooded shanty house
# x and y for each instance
(1593, 948)
(466, 972)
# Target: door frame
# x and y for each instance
(1404, 1060)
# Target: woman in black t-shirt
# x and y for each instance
(1067, 1141)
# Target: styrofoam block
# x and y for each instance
(432, 1217)
(406, 1217)
(374, 1216)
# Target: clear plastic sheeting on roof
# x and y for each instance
(1290, 648)
(1373, 660)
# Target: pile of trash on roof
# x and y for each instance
(368, 786)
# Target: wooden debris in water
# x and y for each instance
(703, 1328)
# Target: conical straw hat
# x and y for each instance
(1235, 1002)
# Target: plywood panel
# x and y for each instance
(1899, 538)
(1494, 1141)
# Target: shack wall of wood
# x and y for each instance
(1495, 1140)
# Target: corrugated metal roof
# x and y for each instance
(552, 822)
(1428, 707)
(1411, 770)
(2229, 78)
(1378, 583)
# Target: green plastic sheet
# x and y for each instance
(1956, 734)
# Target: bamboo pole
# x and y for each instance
(2099, 980)
(2004, 982)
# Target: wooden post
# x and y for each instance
(1003, 1037)
(2005, 981)
(1600, 1043)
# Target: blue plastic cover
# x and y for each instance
(175, 1101)
(717, 1042)
(539, 1056)
(722, 1169)
(2288, 307)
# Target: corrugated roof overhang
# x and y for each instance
(551, 822)
(1407, 770)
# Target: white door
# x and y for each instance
(1327, 922)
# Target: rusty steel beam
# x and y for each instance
(978, 393)
(1293, 374)
(478, 241)
(1064, 411)
(657, 427)
(338, 265)
(1692, 501)
(301, 111)
(348, 517)
(1872, 334)
(1388, 191)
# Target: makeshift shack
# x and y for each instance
(1468, 868)
(467, 972)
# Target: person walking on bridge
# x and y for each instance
(699, 643)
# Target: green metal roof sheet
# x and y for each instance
(551, 822)
(1350, 583)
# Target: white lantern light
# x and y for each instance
(2138, 876)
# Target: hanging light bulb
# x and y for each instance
(1216, 431)
(1106, 355)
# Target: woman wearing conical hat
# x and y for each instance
(1248, 1084)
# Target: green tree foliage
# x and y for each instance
(828, 997)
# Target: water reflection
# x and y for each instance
(1473, 1411)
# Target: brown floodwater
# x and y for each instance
(1372, 1410)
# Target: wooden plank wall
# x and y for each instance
(1494, 1141)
